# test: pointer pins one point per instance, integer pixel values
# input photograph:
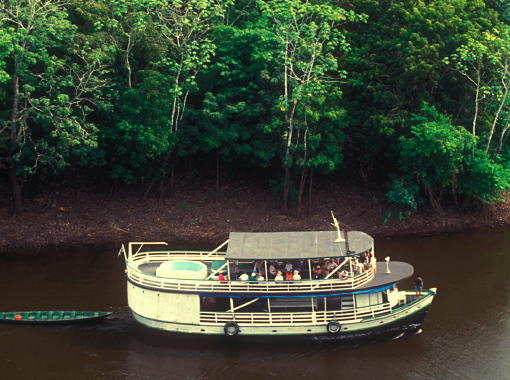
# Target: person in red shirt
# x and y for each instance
(222, 277)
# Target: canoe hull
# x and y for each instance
(53, 317)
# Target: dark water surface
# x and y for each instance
(466, 334)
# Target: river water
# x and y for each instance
(466, 334)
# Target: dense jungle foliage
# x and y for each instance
(411, 93)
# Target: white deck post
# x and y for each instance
(216, 249)
(228, 274)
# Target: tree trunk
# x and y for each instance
(16, 188)
(218, 176)
(144, 198)
(15, 182)
(162, 185)
(310, 192)
(112, 189)
(286, 185)
(301, 189)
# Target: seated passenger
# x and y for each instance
(317, 273)
(260, 276)
(221, 277)
(325, 270)
(288, 275)
(279, 276)
(272, 269)
(357, 267)
(253, 276)
(332, 265)
(244, 277)
(343, 275)
(296, 276)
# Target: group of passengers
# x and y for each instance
(328, 269)
(367, 261)
(324, 269)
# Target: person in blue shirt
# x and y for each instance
(418, 285)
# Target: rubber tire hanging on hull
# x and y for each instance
(334, 327)
(231, 328)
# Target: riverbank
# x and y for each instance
(77, 217)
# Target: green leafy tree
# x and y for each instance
(307, 35)
(395, 64)
(186, 27)
(54, 84)
(439, 156)
(485, 63)
(435, 153)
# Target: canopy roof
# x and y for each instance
(296, 245)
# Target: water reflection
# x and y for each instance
(465, 336)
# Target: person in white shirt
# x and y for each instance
(272, 270)
(279, 276)
(288, 266)
(373, 263)
(296, 276)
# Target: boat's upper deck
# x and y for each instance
(142, 270)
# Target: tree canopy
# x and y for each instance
(409, 94)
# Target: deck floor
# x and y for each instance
(399, 271)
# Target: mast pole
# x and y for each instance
(337, 226)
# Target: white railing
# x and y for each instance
(160, 256)
(215, 286)
(305, 318)
(163, 283)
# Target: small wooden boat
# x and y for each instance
(53, 317)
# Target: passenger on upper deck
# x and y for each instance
(325, 270)
(343, 275)
(260, 276)
(317, 273)
(244, 277)
(357, 267)
(288, 276)
(272, 269)
(332, 266)
(297, 276)
(279, 276)
(373, 263)
(288, 266)
(221, 277)
(253, 276)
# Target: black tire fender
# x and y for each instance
(231, 328)
(334, 327)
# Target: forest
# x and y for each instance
(410, 94)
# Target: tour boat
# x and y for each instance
(205, 292)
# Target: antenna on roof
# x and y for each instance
(339, 239)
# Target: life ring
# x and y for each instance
(231, 328)
(334, 327)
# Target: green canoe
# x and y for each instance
(53, 317)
